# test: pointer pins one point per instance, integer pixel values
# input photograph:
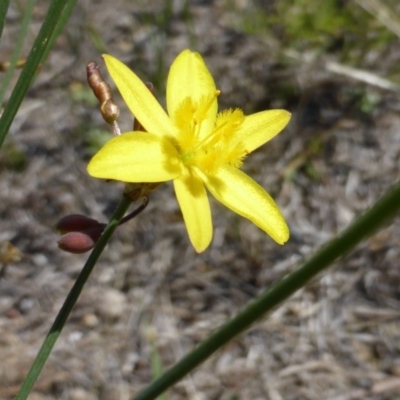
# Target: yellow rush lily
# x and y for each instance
(194, 146)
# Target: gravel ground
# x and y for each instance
(151, 297)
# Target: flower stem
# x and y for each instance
(136, 212)
(3, 14)
(373, 219)
(70, 301)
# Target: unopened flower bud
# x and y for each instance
(76, 223)
(76, 242)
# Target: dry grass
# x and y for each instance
(151, 295)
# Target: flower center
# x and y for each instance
(207, 141)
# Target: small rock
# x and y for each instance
(90, 320)
(111, 304)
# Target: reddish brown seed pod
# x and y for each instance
(76, 223)
(76, 242)
(101, 89)
(80, 242)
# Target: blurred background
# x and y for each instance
(335, 66)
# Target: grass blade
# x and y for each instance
(3, 14)
(39, 48)
(66, 13)
(24, 25)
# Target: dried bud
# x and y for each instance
(101, 89)
(110, 111)
(76, 242)
(76, 223)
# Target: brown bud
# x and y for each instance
(76, 242)
(110, 111)
(76, 223)
(101, 89)
(95, 233)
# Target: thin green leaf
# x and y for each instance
(39, 48)
(3, 14)
(66, 13)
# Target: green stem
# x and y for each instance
(70, 301)
(33, 61)
(383, 210)
(3, 14)
(66, 13)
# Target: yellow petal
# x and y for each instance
(190, 77)
(193, 201)
(136, 157)
(258, 128)
(139, 99)
(241, 194)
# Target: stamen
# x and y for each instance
(203, 106)
(226, 123)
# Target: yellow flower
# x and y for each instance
(194, 146)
